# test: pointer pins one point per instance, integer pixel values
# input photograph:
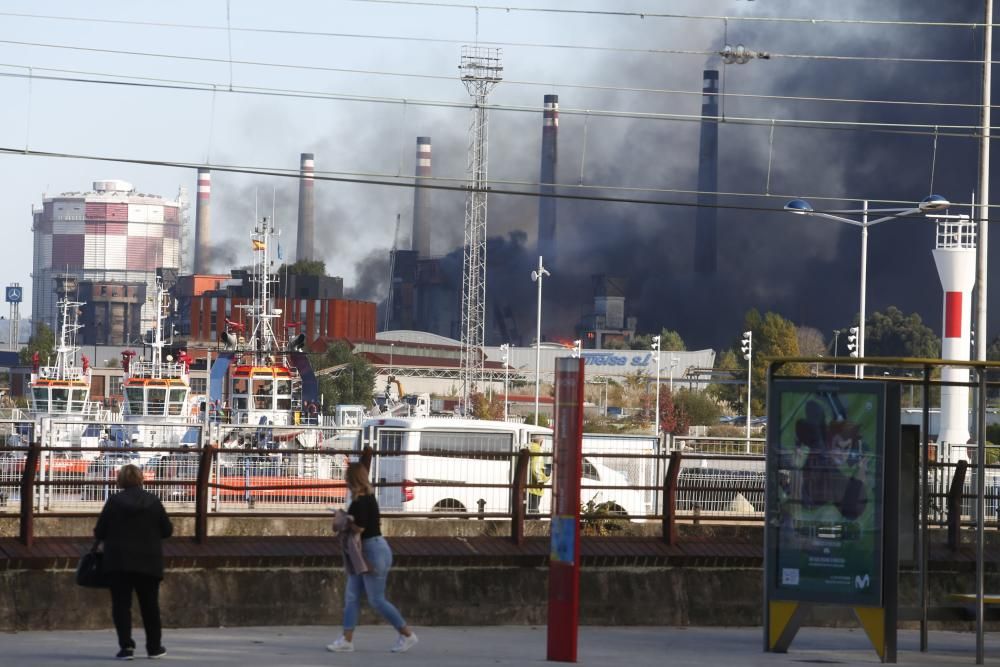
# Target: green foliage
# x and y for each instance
(354, 383)
(304, 267)
(670, 341)
(892, 334)
(993, 351)
(727, 431)
(773, 336)
(700, 408)
(543, 420)
(42, 341)
(486, 408)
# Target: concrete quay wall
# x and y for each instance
(464, 573)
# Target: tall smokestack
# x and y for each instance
(706, 219)
(201, 224)
(420, 237)
(547, 203)
(307, 210)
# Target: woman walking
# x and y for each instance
(363, 519)
(133, 525)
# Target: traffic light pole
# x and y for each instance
(747, 346)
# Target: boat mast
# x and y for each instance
(67, 349)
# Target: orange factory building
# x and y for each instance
(206, 306)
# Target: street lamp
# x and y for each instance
(747, 346)
(505, 352)
(536, 276)
(928, 205)
(656, 348)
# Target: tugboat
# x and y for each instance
(157, 392)
(60, 393)
(262, 381)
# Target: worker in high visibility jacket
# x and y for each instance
(536, 475)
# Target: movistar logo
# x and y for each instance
(862, 581)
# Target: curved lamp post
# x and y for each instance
(929, 204)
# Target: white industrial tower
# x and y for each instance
(955, 258)
(481, 72)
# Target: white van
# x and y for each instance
(438, 464)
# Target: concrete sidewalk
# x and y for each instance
(503, 645)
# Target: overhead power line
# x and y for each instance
(918, 129)
(642, 14)
(392, 180)
(504, 44)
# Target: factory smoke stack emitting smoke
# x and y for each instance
(547, 179)
(706, 218)
(420, 236)
(202, 220)
(307, 210)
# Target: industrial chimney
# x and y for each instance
(201, 225)
(420, 236)
(546, 202)
(307, 210)
(706, 218)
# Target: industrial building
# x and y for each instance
(112, 239)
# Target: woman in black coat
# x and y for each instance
(132, 526)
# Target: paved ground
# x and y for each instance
(505, 645)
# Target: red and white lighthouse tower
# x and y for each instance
(955, 257)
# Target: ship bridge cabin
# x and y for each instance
(269, 392)
(59, 396)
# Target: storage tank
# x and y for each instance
(110, 234)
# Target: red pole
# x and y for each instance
(564, 558)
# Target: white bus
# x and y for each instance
(438, 464)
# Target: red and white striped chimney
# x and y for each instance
(202, 220)
(420, 236)
(304, 248)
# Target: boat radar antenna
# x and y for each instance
(262, 340)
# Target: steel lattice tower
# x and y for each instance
(481, 72)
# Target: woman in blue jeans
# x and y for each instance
(364, 515)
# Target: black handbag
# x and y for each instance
(90, 572)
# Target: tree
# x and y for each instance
(892, 334)
(699, 407)
(304, 267)
(354, 383)
(811, 342)
(43, 342)
(773, 336)
(669, 341)
(673, 417)
(993, 351)
(727, 363)
(486, 408)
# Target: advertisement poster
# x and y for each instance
(826, 472)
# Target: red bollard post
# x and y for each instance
(567, 466)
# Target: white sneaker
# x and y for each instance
(341, 646)
(404, 643)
